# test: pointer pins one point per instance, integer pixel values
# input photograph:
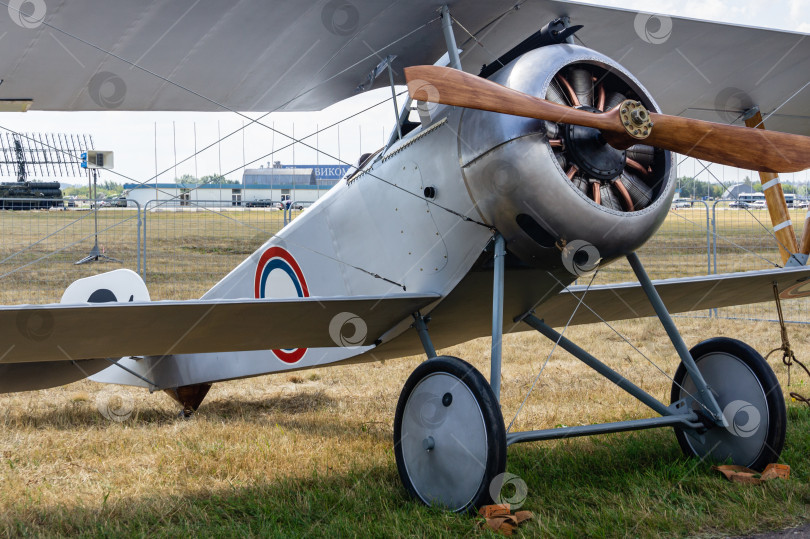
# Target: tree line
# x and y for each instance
(216, 179)
(104, 189)
(697, 189)
(111, 189)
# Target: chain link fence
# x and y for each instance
(190, 245)
(679, 249)
(42, 241)
(745, 241)
(712, 237)
(182, 248)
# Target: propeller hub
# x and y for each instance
(635, 119)
(592, 154)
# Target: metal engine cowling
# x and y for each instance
(545, 185)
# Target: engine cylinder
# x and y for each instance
(546, 185)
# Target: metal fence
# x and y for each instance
(182, 248)
(190, 245)
(42, 241)
(745, 241)
(712, 237)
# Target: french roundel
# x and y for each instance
(278, 275)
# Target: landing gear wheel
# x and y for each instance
(449, 435)
(749, 396)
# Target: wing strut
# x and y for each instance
(450, 39)
(499, 259)
(777, 206)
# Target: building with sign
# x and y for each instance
(302, 184)
(326, 175)
(320, 175)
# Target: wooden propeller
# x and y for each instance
(626, 124)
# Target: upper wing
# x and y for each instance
(704, 70)
(77, 332)
(255, 55)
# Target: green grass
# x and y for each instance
(635, 484)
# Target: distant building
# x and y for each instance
(323, 176)
(215, 195)
(279, 176)
(326, 175)
(735, 191)
(302, 183)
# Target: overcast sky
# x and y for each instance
(779, 14)
(140, 151)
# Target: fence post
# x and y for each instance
(714, 233)
(143, 243)
(714, 243)
(138, 235)
(708, 240)
(708, 243)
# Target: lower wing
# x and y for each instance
(466, 313)
(48, 333)
(627, 300)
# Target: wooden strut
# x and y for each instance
(777, 207)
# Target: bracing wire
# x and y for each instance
(553, 348)
(272, 129)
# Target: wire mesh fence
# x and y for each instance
(190, 245)
(182, 248)
(679, 249)
(42, 243)
(712, 237)
(745, 241)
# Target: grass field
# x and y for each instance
(310, 453)
(186, 252)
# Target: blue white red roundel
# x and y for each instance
(278, 275)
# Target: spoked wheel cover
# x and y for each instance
(449, 437)
(749, 396)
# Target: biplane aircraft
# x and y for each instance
(536, 146)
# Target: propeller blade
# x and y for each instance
(742, 147)
(453, 87)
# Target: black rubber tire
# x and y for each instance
(480, 389)
(774, 439)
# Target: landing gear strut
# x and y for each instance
(449, 436)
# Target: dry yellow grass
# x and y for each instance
(60, 456)
(60, 453)
(186, 252)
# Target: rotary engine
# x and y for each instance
(546, 186)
